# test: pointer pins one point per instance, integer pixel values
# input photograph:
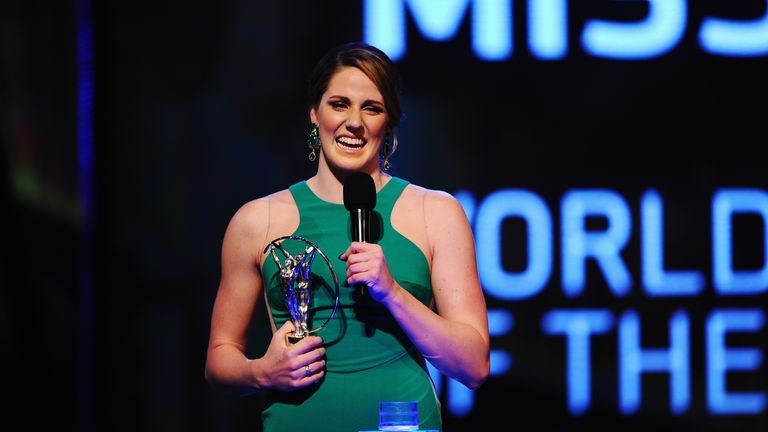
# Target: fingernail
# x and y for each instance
(340, 257)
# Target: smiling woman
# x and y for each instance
(368, 72)
(352, 121)
(423, 299)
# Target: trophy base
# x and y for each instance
(294, 339)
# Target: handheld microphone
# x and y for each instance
(360, 199)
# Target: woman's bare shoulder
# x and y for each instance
(434, 201)
(254, 215)
(444, 218)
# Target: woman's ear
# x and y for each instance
(313, 115)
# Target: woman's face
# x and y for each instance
(352, 121)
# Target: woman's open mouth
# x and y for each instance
(350, 143)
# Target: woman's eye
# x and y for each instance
(338, 105)
(374, 109)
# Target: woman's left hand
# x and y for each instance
(366, 264)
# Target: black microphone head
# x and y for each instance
(359, 192)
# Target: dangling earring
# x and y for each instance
(385, 152)
(313, 141)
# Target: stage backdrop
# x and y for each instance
(609, 156)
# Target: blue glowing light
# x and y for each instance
(656, 280)
(500, 323)
(658, 33)
(501, 362)
(437, 378)
(86, 191)
(634, 360)
(461, 399)
(548, 29)
(492, 29)
(735, 38)
(496, 207)
(384, 24)
(721, 359)
(605, 247)
(437, 20)
(492, 39)
(726, 203)
(577, 326)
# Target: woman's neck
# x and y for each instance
(329, 185)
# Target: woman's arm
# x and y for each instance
(283, 366)
(455, 339)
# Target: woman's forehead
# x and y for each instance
(352, 82)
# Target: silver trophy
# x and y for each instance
(295, 283)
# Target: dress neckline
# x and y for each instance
(384, 189)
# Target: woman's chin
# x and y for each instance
(359, 160)
(354, 165)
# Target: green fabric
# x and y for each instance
(369, 358)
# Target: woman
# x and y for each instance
(423, 299)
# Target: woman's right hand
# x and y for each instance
(288, 367)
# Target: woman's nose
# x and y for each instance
(354, 120)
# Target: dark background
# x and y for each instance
(201, 107)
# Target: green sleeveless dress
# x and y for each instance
(369, 359)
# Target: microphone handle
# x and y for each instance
(361, 232)
(361, 226)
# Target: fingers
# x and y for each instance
(314, 370)
(368, 267)
(304, 350)
(357, 248)
(360, 267)
(286, 328)
(281, 334)
(310, 376)
(360, 257)
(307, 344)
(364, 276)
(302, 364)
(309, 367)
(304, 345)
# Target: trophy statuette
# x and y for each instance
(295, 275)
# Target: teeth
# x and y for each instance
(350, 141)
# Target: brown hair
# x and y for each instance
(372, 62)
